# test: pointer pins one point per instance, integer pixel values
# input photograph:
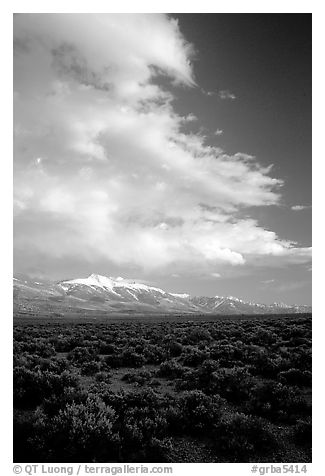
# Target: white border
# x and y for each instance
(239, 6)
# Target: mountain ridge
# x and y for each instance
(109, 294)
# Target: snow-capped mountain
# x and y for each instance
(113, 285)
(117, 290)
(119, 295)
(95, 292)
(233, 305)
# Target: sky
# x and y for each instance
(172, 149)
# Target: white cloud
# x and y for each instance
(218, 132)
(268, 281)
(225, 94)
(298, 208)
(208, 93)
(119, 180)
(221, 94)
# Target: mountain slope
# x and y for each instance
(233, 305)
(95, 293)
(109, 295)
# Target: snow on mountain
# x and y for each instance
(92, 280)
(109, 294)
(110, 283)
(182, 296)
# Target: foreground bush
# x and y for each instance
(296, 377)
(277, 402)
(78, 433)
(194, 413)
(302, 433)
(241, 438)
(210, 391)
(30, 388)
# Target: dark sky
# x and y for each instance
(265, 60)
(134, 137)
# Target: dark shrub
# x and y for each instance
(30, 388)
(263, 365)
(188, 381)
(260, 366)
(81, 355)
(233, 384)
(194, 413)
(132, 359)
(52, 404)
(39, 347)
(140, 377)
(141, 426)
(264, 337)
(174, 349)
(302, 433)
(102, 376)
(79, 433)
(113, 361)
(171, 369)
(296, 377)
(242, 438)
(277, 402)
(107, 348)
(194, 357)
(26, 387)
(53, 365)
(90, 368)
(23, 428)
(153, 354)
(198, 335)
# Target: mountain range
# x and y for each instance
(123, 296)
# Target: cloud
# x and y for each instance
(208, 93)
(221, 93)
(103, 168)
(225, 94)
(297, 208)
(218, 132)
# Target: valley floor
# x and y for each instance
(169, 389)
